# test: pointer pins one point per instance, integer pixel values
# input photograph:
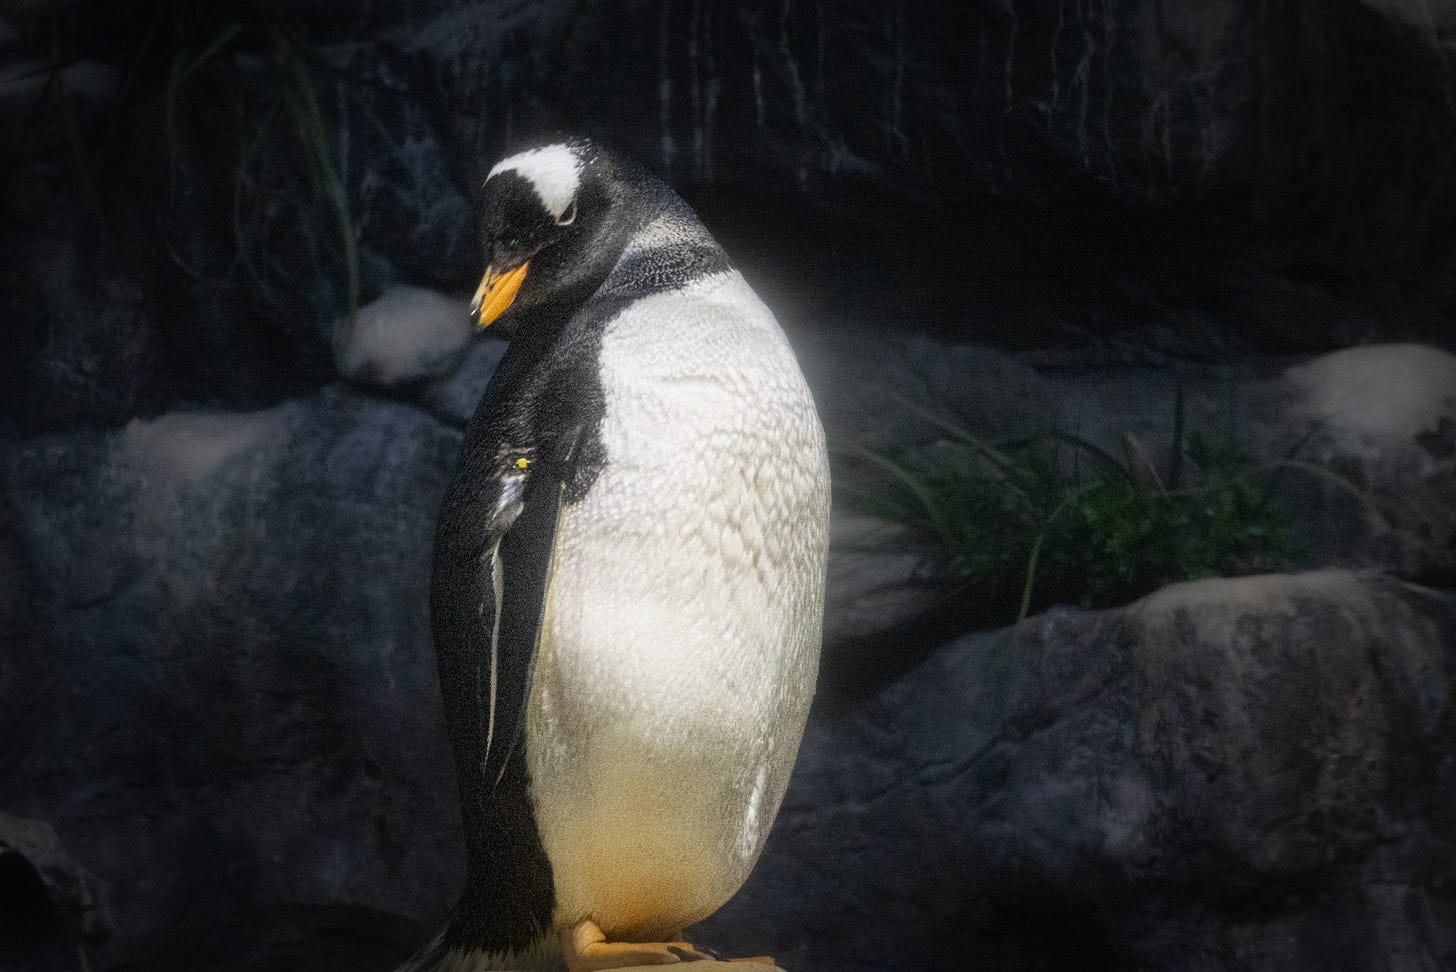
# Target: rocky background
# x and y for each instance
(236, 365)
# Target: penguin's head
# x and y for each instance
(548, 224)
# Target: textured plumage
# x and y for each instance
(629, 572)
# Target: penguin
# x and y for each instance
(628, 583)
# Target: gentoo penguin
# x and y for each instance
(629, 575)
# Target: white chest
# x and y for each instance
(682, 626)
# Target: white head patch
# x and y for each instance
(553, 171)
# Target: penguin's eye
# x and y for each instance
(568, 217)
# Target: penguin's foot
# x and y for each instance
(586, 949)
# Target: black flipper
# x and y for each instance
(493, 560)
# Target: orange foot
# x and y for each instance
(587, 950)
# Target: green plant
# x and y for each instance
(1055, 519)
(294, 235)
(329, 190)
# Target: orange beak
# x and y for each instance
(497, 291)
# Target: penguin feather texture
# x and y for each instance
(629, 572)
(681, 634)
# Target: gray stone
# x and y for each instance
(1228, 774)
(83, 342)
(227, 706)
(876, 580)
(1434, 22)
(408, 334)
(54, 910)
(1285, 314)
(412, 208)
(897, 391)
(1384, 417)
(453, 399)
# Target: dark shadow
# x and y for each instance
(31, 934)
(853, 670)
(1030, 929)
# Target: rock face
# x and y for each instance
(932, 100)
(227, 704)
(897, 391)
(875, 580)
(192, 205)
(52, 909)
(1225, 775)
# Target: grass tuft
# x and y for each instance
(1055, 519)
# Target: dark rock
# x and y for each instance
(50, 909)
(257, 241)
(1290, 315)
(1132, 100)
(876, 580)
(83, 343)
(453, 399)
(406, 336)
(994, 93)
(1228, 774)
(1384, 418)
(890, 391)
(228, 704)
(996, 170)
(411, 208)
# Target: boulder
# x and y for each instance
(407, 335)
(225, 701)
(1384, 417)
(1434, 22)
(1228, 774)
(84, 342)
(453, 399)
(52, 909)
(886, 390)
(876, 580)
(1371, 397)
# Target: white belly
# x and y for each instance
(681, 634)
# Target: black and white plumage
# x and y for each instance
(629, 570)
